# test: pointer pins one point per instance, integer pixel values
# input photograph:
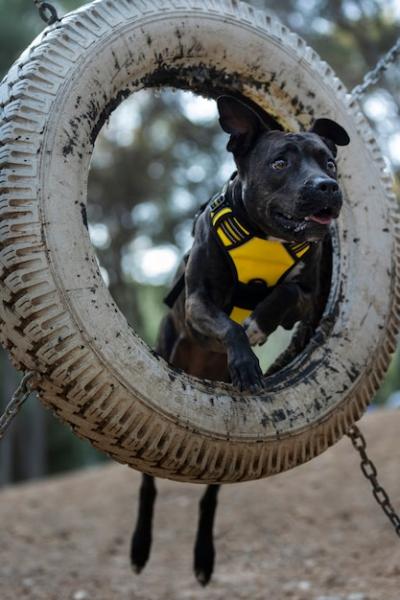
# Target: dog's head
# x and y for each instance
(289, 180)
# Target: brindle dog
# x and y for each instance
(285, 188)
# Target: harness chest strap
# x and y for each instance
(257, 264)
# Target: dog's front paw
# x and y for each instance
(255, 335)
(245, 372)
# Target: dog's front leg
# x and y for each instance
(287, 304)
(208, 320)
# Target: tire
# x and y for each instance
(57, 316)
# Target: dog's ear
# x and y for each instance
(241, 121)
(332, 132)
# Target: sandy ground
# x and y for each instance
(311, 534)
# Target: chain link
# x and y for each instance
(370, 472)
(375, 74)
(47, 12)
(19, 397)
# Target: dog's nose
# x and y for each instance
(325, 185)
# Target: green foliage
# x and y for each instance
(20, 23)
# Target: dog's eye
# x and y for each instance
(331, 166)
(279, 164)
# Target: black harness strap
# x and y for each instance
(248, 295)
(175, 292)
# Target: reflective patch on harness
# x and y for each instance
(221, 213)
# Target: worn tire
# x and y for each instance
(57, 316)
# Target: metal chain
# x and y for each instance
(374, 75)
(19, 397)
(370, 472)
(47, 12)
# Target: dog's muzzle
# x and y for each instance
(320, 200)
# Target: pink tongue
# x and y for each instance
(320, 220)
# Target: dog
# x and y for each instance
(258, 260)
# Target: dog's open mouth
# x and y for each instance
(323, 217)
(296, 223)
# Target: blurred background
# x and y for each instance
(158, 158)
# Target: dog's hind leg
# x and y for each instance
(142, 536)
(204, 552)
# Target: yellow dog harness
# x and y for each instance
(257, 264)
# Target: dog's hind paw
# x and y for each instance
(202, 577)
(204, 557)
(136, 568)
(254, 334)
(140, 552)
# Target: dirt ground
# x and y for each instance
(314, 533)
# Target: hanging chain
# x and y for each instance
(357, 439)
(19, 397)
(375, 74)
(370, 472)
(47, 12)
